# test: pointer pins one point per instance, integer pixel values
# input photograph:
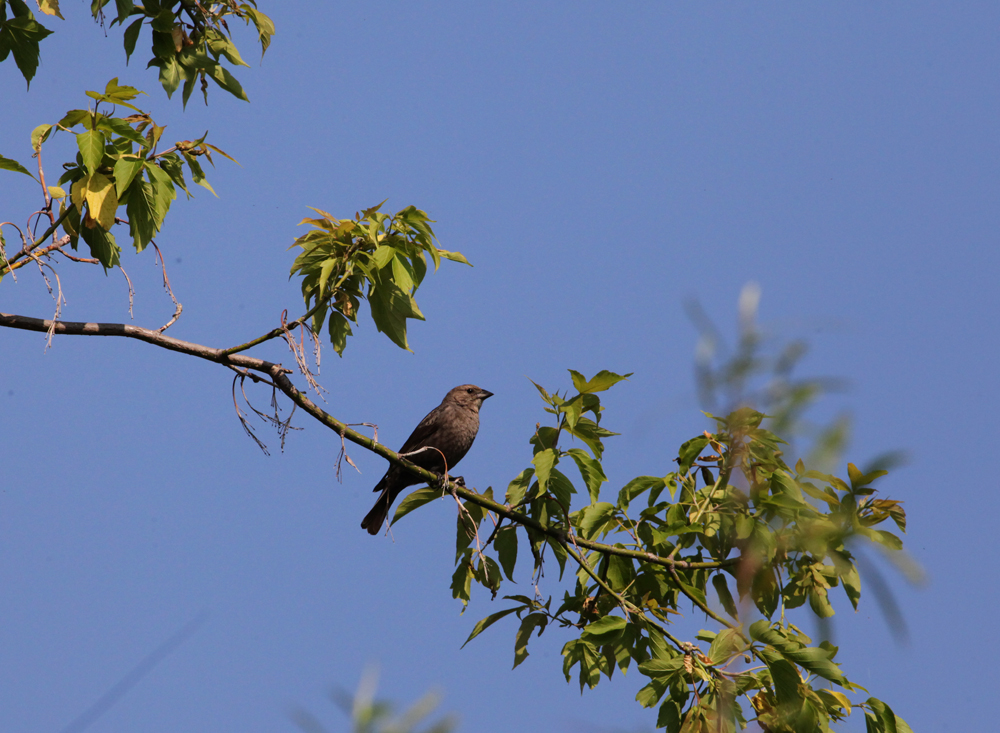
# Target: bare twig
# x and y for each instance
(298, 352)
(67, 255)
(131, 291)
(48, 232)
(166, 285)
(247, 428)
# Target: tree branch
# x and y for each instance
(279, 375)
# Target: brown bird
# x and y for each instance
(449, 428)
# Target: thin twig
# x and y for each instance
(131, 291)
(166, 285)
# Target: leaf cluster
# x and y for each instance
(119, 165)
(732, 528)
(189, 40)
(374, 257)
(20, 35)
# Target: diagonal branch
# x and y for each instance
(279, 375)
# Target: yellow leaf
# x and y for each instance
(102, 200)
(50, 7)
(56, 192)
(78, 192)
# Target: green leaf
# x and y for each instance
(852, 585)
(124, 9)
(765, 592)
(91, 144)
(390, 308)
(402, 274)
(860, 480)
(561, 488)
(141, 210)
(649, 695)
(163, 191)
(453, 256)
(725, 597)
(339, 329)
(102, 245)
(660, 667)
(595, 518)
(518, 488)
(461, 579)
(265, 28)
(528, 624)
(605, 630)
(544, 461)
(637, 486)
(814, 659)
(383, 255)
(115, 93)
(785, 678)
(39, 135)
(724, 645)
(591, 434)
(131, 36)
(689, 452)
(121, 128)
(170, 70)
(485, 623)
(488, 573)
(891, 722)
(601, 381)
(506, 547)
(819, 602)
(415, 500)
(669, 717)
(219, 44)
(74, 117)
(21, 36)
(880, 536)
(126, 168)
(621, 571)
(228, 82)
(591, 471)
(7, 164)
(170, 164)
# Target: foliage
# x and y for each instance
(732, 527)
(189, 40)
(369, 715)
(373, 256)
(758, 371)
(118, 166)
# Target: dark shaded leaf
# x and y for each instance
(7, 164)
(506, 546)
(415, 500)
(485, 623)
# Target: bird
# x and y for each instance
(447, 433)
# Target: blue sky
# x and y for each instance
(598, 164)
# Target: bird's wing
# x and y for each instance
(418, 438)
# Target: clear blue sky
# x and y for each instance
(598, 163)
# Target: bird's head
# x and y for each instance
(468, 395)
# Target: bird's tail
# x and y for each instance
(376, 517)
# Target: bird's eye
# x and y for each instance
(470, 390)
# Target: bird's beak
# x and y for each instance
(485, 394)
